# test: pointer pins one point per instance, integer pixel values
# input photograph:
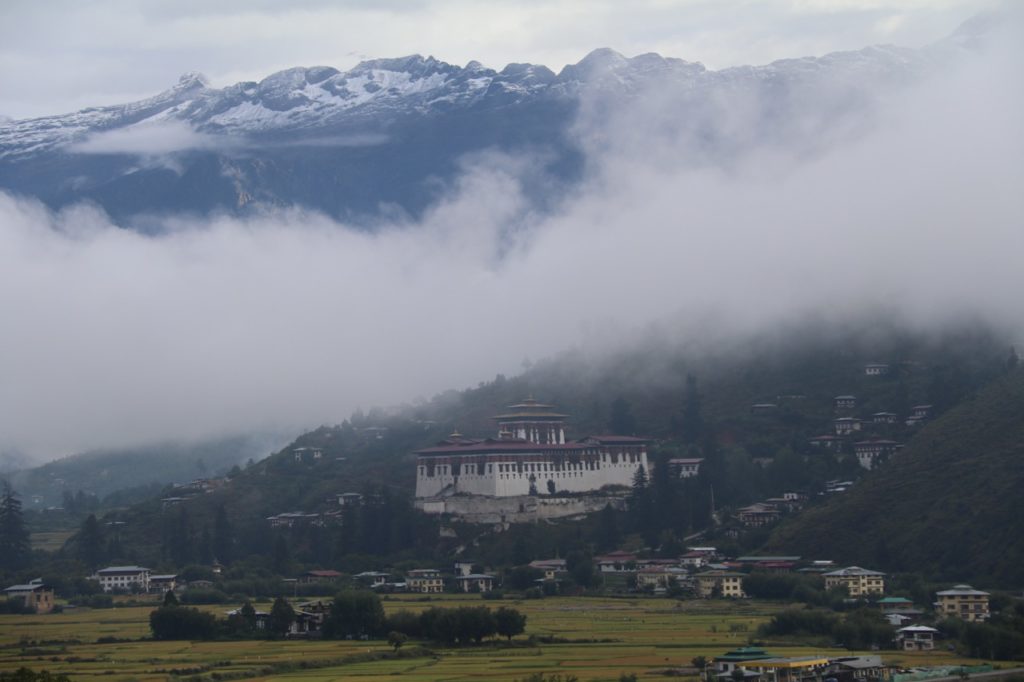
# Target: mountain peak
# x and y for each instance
(192, 79)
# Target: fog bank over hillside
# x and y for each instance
(289, 319)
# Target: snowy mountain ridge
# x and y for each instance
(390, 134)
(304, 99)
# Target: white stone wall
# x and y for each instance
(518, 509)
(503, 479)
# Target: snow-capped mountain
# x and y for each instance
(388, 132)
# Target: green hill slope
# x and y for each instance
(950, 505)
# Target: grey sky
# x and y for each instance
(62, 55)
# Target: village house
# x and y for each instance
(685, 468)
(894, 604)
(550, 567)
(763, 408)
(530, 455)
(921, 411)
(870, 453)
(844, 402)
(693, 559)
(616, 562)
(318, 610)
(916, 638)
(661, 577)
(791, 501)
(918, 415)
(349, 499)
(424, 580)
(876, 369)
(884, 417)
(35, 596)
(719, 583)
(794, 669)
(859, 582)
(308, 454)
(372, 579)
(758, 514)
(964, 602)
(319, 577)
(161, 584)
(475, 582)
(123, 578)
(859, 669)
(844, 426)
(737, 659)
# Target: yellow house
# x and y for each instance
(859, 582)
(790, 669)
(719, 583)
(963, 601)
(425, 580)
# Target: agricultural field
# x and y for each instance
(592, 638)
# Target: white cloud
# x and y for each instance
(155, 138)
(290, 319)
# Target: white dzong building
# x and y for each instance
(530, 455)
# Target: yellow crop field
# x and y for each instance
(592, 638)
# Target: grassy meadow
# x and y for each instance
(596, 639)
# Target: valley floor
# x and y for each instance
(640, 636)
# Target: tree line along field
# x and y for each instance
(592, 638)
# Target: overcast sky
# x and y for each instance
(63, 55)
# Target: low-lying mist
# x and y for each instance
(289, 319)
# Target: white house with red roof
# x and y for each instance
(530, 455)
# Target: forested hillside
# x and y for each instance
(950, 505)
(692, 402)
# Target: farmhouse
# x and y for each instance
(916, 638)
(123, 578)
(844, 402)
(719, 583)
(319, 576)
(661, 577)
(876, 369)
(758, 514)
(871, 452)
(685, 468)
(858, 581)
(36, 596)
(884, 418)
(846, 425)
(425, 580)
(530, 455)
(616, 562)
(160, 584)
(550, 567)
(965, 602)
(475, 582)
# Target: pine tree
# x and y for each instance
(89, 543)
(281, 616)
(223, 537)
(15, 550)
